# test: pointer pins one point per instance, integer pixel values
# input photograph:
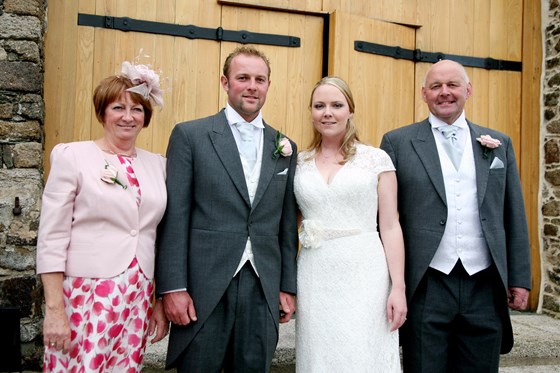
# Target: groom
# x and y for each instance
(227, 245)
(465, 232)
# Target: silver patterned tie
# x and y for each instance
(248, 146)
(451, 145)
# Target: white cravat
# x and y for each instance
(451, 144)
(247, 145)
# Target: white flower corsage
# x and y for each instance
(109, 175)
(310, 234)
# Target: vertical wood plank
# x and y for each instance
(163, 118)
(105, 45)
(530, 136)
(143, 48)
(479, 103)
(84, 79)
(60, 68)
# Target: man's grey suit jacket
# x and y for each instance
(423, 210)
(209, 216)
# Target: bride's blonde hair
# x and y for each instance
(348, 147)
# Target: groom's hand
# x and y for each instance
(179, 307)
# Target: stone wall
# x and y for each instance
(22, 29)
(551, 182)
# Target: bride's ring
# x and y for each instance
(52, 344)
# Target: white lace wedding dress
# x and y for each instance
(343, 280)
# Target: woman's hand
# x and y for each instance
(56, 329)
(158, 322)
(56, 326)
(396, 308)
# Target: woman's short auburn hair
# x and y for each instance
(110, 89)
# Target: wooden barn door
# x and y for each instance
(383, 87)
(79, 57)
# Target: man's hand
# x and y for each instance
(517, 298)
(287, 305)
(179, 307)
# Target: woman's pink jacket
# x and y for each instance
(90, 228)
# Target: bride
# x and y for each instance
(351, 291)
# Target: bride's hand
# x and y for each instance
(396, 308)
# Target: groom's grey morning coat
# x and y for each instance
(209, 216)
(423, 209)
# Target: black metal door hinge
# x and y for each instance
(417, 55)
(187, 31)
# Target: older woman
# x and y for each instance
(101, 205)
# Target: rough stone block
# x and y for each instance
(23, 292)
(20, 76)
(551, 208)
(551, 152)
(553, 177)
(549, 114)
(553, 127)
(27, 7)
(31, 329)
(554, 81)
(19, 259)
(31, 106)
(6, 154)
(20, 131)
(17, 239)
(552, 63)
(27, 185)
(550, 303)
(20, 27)
(28, 155)
(551, 99)
(6, 110)
(24, 50)
(550, 230)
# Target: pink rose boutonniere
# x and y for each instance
(488, 143)
(109, 175)
(282, 146)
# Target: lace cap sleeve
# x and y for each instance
(384, 162)
(302, 157)
(374, 158)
